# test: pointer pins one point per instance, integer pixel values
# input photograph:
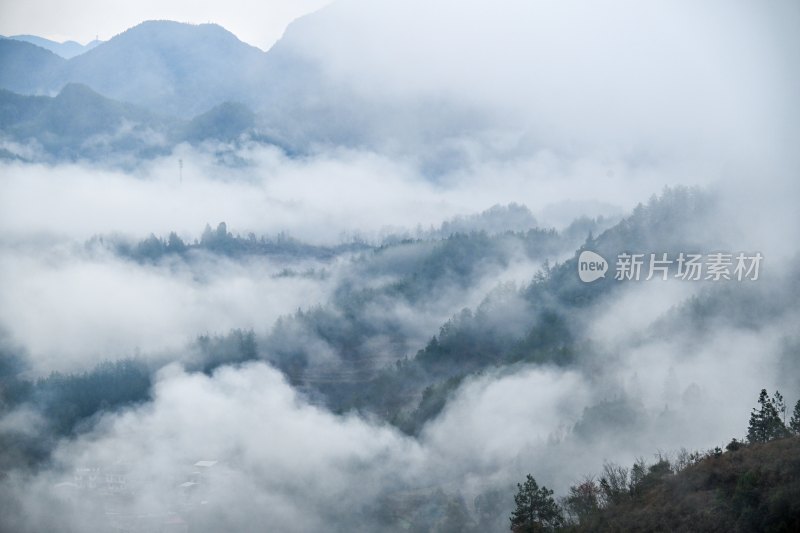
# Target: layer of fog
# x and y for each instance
(680, 390)
(317, 199)
(70, 307)
(626, 80)
(71, 310)
(302, 467)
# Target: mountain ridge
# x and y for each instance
(28, 68)
(171, 68)
(66, 49)
(79, 122)
(182, 70)
(175, 68)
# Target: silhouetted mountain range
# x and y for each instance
(175, 69)
(27, 68)
(67, 49)
(80, 123)
(182, 70)
(167, 67)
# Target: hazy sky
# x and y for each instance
(259, 23)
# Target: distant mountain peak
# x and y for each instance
(172, 68)
(73, 89)
(66, 49)
(11, 43)
(27, 68)
(166, 31)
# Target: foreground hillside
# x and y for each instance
(752, 488)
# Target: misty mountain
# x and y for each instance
(420, 271)
(170, 68)
(79, 123)
(67, 49)
(225, 122)
(167, 67)
(184, 70)
(307, 104)
(27, 68)
(167, 82)
(328, 351)
(541, 323)
(325, 83)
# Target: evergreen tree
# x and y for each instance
(536, 510)
(780, 406)
(765, 422)
(175, 243)
(777, 427)
(150, 248)
(794, 423)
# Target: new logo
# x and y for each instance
(591, 266)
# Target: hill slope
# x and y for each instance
(79, 123)
(67, 49)
(166, 67)
(27, 68)
(177, 69)
(751, 489)
(170, 68)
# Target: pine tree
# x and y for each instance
(794, 423)
(777, 426)
(780, 406)
(755, 430)
(765, 422)
(175, 243)
(536, 509)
